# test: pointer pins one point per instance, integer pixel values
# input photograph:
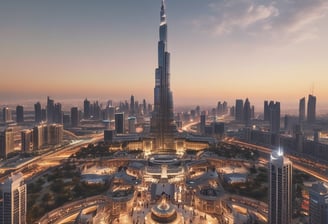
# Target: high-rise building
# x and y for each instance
(202, 123)
(137, 108)
(318, 209)
(311, 114)
(6, 115)
(274, 117)
(232, 111)
(95, 110)
(299, 138)
(55, 134)
(13, 205)
(132, 124)
(225, 107)
(47, 134)
(111, 113)
(75, 117)
(266, 114)
(37, 112)
(119, 123)
(109, 136)
(40, 136)
(86, 109)
(58, 114)
(44, 114)
(247, 113)
(50, 110)
(144, 107)
(54, 112)
(6, 142)
(219, 108)
(27, 140)
(280, 189)
(253, 112)
(301, 110)
(132, 105)
(19, 114)
(239, 108)
(163, 127)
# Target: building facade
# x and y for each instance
(239, 108)
(19, 114)
(311, 109)
(6, 142)
(274, 117)
(13, 202)
(27, 140)
(6, 115)
(37, 112)
(163, 127)
(132, 124)
(119, 123)
(75, 117)
(247, 113)
(301, 110)
(280, 189)
(318, 209)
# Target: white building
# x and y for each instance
(13, 201)
(280, 189)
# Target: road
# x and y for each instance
(69, 211)
(51, 159)
(304, 165)
(187, 127)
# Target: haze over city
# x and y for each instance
(221, 50)
(92, 131)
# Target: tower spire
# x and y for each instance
(163, 15)
(162, 122)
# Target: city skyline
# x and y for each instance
(223, 50)
(133, 157)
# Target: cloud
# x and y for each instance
(286, 19)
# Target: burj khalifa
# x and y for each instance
(163, 127)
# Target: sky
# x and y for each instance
(220, 50)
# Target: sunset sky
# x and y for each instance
(220, 50)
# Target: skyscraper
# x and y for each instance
(27, 140)
(247, 113)
(19, 114)
(132, 106)
(6, 142)
(119, 123)
(86, 109)
(280, 189)
(132, 124)
(58, 114)
(50, 110)
(311, 116)
(239, 108)
(202, 123)
(37, 112)
(274, 117)
(13, 205)
(144, 107)
(55, 134)
(266, 114)
(75, 117)
(40, 136)
(162, 122)
(301, 111)
(219, 108)
(318, 209)
(6, 115)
